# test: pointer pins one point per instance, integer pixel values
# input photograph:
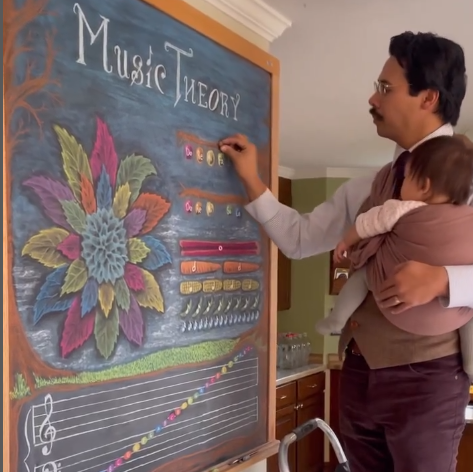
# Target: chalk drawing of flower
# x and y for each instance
(100, 247)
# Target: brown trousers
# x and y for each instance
(403, 419)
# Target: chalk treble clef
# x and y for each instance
(47, 432)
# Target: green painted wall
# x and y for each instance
(310, 283)
(330, 342)
(307, 281)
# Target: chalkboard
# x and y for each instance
(138, 293)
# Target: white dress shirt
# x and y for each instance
(299, 236)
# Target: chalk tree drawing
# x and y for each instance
(37, 79)
(37, 84)
(100, 249)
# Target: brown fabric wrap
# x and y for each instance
(382, 343)
(439, 235)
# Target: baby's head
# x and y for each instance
(440, 170)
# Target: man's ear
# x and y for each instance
(430, 100)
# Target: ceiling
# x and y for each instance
(330, 57)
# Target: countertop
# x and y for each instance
(288, 375)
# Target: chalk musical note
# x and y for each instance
(47, 432)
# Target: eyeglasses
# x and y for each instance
(381, 87)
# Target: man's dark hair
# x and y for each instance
(447, 161)
(431, 62)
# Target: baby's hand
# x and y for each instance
(340, 252)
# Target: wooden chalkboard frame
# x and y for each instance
(215, 31)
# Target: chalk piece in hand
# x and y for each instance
(237, 148)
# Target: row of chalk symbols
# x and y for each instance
(201, 156)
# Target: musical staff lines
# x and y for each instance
(172, 415)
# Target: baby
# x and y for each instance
(429, 180)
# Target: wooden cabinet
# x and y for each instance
(296, 403)
(284, 264)
(338, 275)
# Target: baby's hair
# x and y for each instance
(447, 161)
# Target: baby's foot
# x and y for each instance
(328, 326)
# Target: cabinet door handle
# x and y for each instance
(313, 386)
(298, 407)
(283, 397)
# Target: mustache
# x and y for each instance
(375, 114)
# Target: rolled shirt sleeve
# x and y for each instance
(460, 279)
(461, 287)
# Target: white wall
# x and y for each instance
(240, 29)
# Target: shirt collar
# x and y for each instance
(445, 130)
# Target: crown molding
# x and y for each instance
(325, 172)
(256, 15)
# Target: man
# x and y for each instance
(403, 397)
